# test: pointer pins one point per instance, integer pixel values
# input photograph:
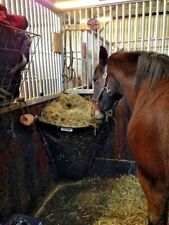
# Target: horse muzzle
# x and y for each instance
(96, 112)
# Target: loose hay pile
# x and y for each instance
(69, 110)
(126, 204)
(96, 201)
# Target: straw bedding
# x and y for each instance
(69, 110)
(97, 201)
(126, 204)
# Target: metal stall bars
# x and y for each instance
(43, 80)
(133, 25)
(14, 55)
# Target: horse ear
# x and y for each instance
(120, 49)
(103, 56)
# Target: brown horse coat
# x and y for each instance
(143, 78)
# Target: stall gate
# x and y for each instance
(42, 79)
(128, 25)
(132, 25)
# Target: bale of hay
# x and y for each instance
(69, 110)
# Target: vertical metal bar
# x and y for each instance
(123, 24)
(57, 63)
(116, 32)
(31, 73)
(93, 63)
(63, 45)
(87, 71)
(24, 84)
(28, 77)
(79, 49)
(66, 44)
(67, 20)
(164, 26)
(98, 34)
(76, 45)
(46, 55)
(60, 57)
(31, 16)
(7, 4)
(50, 33)
(16, 9)
(44, 50)
(104, 26)
(40, 47)
(82, 74)
(47, 49)
(142, 28)
(68, 39)
(156, 25)
(60, 61)
(110, 30)
(49, 38)
(31, 69)
(60, 65)
(59, 28)
(13, 8)
(25, 74)
(136, 25)
(129, 28)
(149, 26)
(22, 6)
(36, 56)
(43, 63)
(54, 63)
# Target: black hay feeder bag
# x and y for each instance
(71, 150)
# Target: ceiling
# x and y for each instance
(60, 5)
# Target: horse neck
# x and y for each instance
(124, 68)
(127, 88)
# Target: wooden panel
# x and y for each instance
(56, 42)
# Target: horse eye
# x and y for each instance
(94, 79)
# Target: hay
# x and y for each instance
(97, 201)
(69, 110)
(126, 204)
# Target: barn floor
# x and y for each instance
(95, 201)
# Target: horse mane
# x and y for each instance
(151, 67)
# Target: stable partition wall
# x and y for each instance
(132, 25)
(42, 79)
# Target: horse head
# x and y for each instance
(106, 88)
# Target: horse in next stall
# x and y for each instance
(143, 78)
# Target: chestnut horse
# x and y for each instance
(143, 78)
